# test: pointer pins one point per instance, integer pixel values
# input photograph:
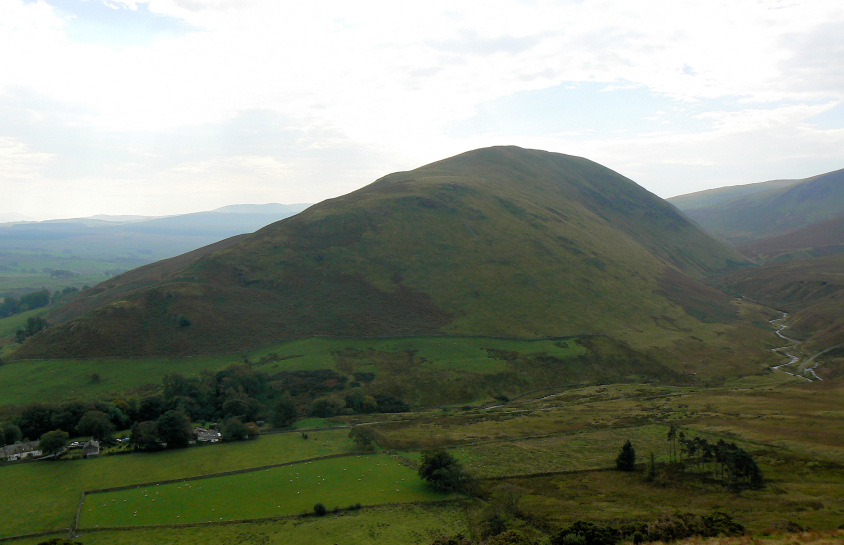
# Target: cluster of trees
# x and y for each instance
(726, 461)
(237, 397)
(11, 305)
(241, 391)
(171, 429)
(30, 301)
(97, 419)
(33, 325)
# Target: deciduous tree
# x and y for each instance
(174, 429)
(442, 471)
(53, 442)
(96, 424)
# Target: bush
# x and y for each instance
(442, 471)
(319, 510)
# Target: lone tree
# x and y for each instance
(626, 459)
(53, 442)
(442, 471)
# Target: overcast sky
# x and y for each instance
(173, 106)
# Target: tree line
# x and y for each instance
(235, 399)
(11, 305)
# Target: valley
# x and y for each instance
(517, 315)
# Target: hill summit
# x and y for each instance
(497, 241)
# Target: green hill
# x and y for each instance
(498, 241)
(782, 208)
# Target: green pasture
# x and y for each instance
(402, 524)
(47, 493)
(30, 381)
(467, 354)
(339, 482)
(23, 382)
(314, 422)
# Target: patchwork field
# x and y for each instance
(52, 489)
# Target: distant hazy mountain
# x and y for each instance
(497, 241)
(137, 237)
(780, 207)
(714, 197)
(272, 208)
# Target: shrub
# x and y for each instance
(442, 471)
(319, 510)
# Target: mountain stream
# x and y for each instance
(803, 367)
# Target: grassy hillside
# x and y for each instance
(775, 211)
(498, 241)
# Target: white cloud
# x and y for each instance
(18, 164)
(390, 78)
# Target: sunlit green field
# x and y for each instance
(336, 483)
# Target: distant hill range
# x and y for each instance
(139, 237)
(498, 241)
(750, 213)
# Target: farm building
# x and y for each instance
(91, 449)
(204, 435)
(19, 451)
